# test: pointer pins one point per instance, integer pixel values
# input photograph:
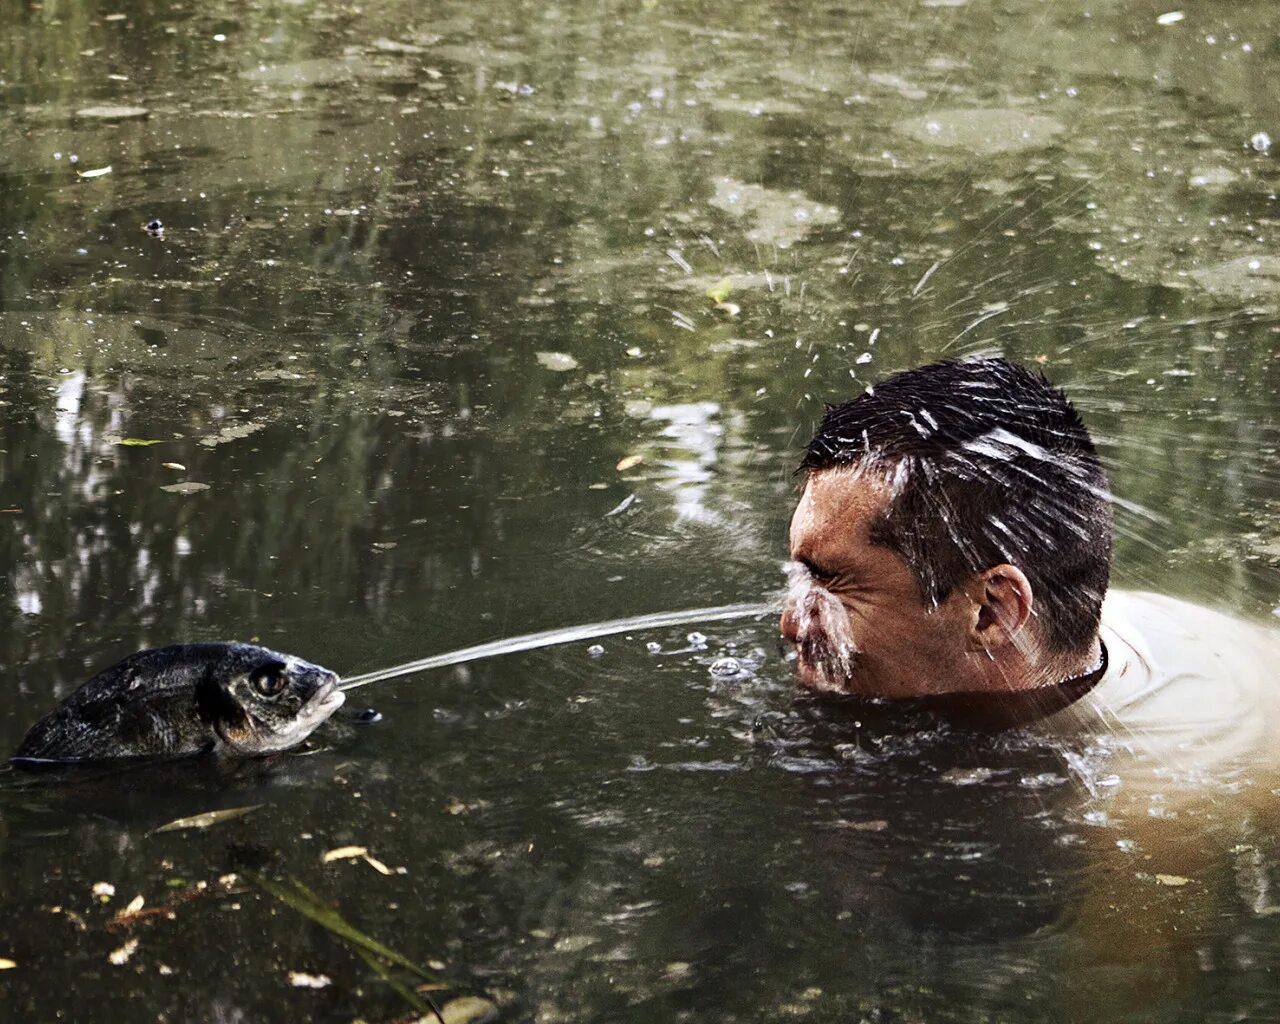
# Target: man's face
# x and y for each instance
(855, 610)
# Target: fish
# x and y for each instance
(224, 698)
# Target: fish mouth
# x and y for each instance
(328, 698)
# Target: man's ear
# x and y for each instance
(1003, 599)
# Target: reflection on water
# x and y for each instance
(374, 220)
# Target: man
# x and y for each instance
(952, 545)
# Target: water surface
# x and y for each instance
(426, 275)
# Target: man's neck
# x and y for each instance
(1026, 668)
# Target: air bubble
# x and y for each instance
(725, 667)
(595, 650)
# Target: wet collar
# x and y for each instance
(1017, 707)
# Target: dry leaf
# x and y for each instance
(629, 462)
(135, 905)
(344, 853)
(206, 819)
(377, 865)
(121, 955)
(1172, 880)
(186, 487)
(7, 964)
(173, 465)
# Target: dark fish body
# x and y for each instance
(232, 698)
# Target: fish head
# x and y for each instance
(268, 701)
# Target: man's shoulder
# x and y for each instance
(1165, 623)
(1184, 669)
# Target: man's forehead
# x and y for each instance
(837, 510)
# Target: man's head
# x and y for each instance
(955, 527)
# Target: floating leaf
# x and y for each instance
(186, 487)
(1173, 881)
(6, 964)
(97, 172)
(344, 853)
(729, 308)
(174, 465)
(468, 1010)
(135, 905)
(112, 113)
(206, 819)
(629, 462)
(137, 442)
(721, 290)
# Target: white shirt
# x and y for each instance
(1189, 692)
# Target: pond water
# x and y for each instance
(462, 321)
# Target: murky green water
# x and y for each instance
(428, 273)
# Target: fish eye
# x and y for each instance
(270, 681)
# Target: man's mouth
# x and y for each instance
(817, 669)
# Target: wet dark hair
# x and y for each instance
(988, 463)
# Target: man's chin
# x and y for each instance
(821, 680)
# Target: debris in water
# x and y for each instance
(653, 647)
(206, 819)
(1174, 881)
(595, 650)
(97, 172)
(104, 890)
(967, 776)
(299, 979)
(174, 465)
(122, 955)
(6, 964)
(344, 853)
(557, 362)
(1170, 18)
(137, 442)
(154, 228)
(621, 507)
(877, 825)
(186, 487)
(629, 462)
(721, 290)
(1261, 142)
(697, 639)
(112, 113)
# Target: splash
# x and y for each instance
(825, 642)
(555, 637)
